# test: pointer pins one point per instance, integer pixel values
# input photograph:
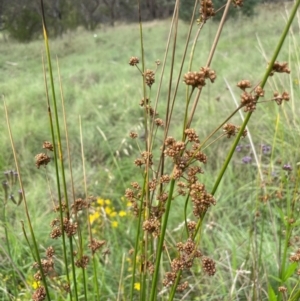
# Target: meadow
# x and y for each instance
(250, 233)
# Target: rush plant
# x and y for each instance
(170, 175)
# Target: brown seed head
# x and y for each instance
(169, 279)
(41, 159)
(152, 226)
(191, 135)
(282, 289)
(55, 233)
(248, 102)
(79, 205)
(207, 10)
(149, 77)
(48, 145)
(70, 227)
(159, 122)
(95, 245)
(182, 287)
(259, 91)
(39, 294)
(82, 262)
(238, 3)
(244, 84)
(280, 68)
(133, 135)
(133, 61)
(280, 97)
(194, 79)
(208, 266)
(50, 252)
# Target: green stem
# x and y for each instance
(61, 161)
(161, 241)
(5, 223)
(263, 82)
(137, 239)
(35, 246)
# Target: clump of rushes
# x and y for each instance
(176, 172)
(173, 172)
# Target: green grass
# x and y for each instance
(101, 88)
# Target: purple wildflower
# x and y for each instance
(239, 148)
(247, 159)
(287, 167)
(266, 149)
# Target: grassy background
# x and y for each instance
(101, 88)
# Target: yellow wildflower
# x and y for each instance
(122, 213)
(114, 224)
(137, 286)
(107, 202)
(113, 214)
(94, 216)
(35, 284)
(100, 201)
(108, 210)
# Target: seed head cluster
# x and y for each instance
(187, 254)
(152, 226)
(279, 98)
(47, 266)
(208, 266)
(79, 205)
(146, 158)
(41, 159)
(206, 10)
(133, 61)
(39, 294)
(201, 199)
(95, 245)
(280, 68)
(133, 195)
(149, 77)
(248, 100)
(82, 262)
(149, 110)
(238, 3)
(231, 130)
(295, 257)
(197, 79)
(48, 145)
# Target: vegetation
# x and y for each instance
(234, 239)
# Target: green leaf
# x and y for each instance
(289, 271)
(271, 294)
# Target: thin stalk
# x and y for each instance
(144, 205)
(143, 72)
(7, 243)
(210, 57)
(87, 216)
(60, 157)
(170, 104)
(35, 246)
(161, 241)
(263, 82)
(71, 173)
(57, 176)
(137, 240)
(179, 75)
(165, 60)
